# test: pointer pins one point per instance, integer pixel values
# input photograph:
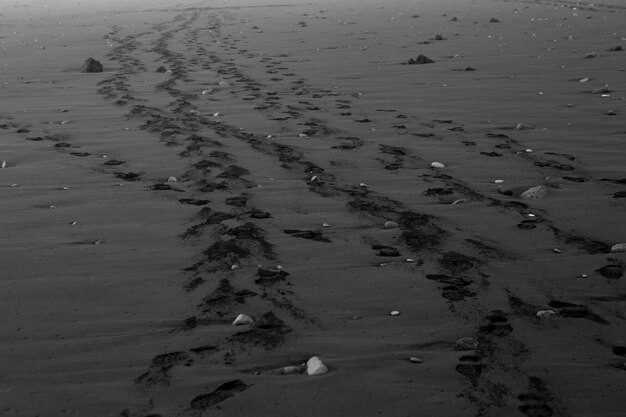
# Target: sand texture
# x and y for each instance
(364, 182)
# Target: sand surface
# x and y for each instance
(143, 210)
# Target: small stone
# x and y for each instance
(437, 165)
(583, 80)
(616, 48)
(287, 370)
(91, 65)
(611, 113)
(591, 55)
(172, 179)
(535, 192)
(421, 59)
(499, 182)
(315, 366)
(523, 126)
(233, 267)
(584, 276)
(494, 20)
(325, 225)
(415, 359)
(602, 90)
(243, 320)
(618, 248)
(394, 313)
(466, 343)
(363, 185)
(542, 314)
(557, 250)
(390, 225)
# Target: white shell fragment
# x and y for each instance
(437, 165)
(542, 314)
(499, 182)
(415, 359)
(535, 192)
(4, 164)
(315, 366)
(523, 126)
(390, 225)
(618, 248)
(394, 313)
(242, 320)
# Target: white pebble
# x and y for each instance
(242, 320)
(437, 165)
(315, 366)
(172, 179)
(363, 185)
(4, 164)
(415, 359)
(394, 313)
(499, 181)
(233, 267)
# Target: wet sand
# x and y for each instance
(279, 165)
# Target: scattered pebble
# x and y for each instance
(611, 113)
(325, 225)
(557, 250)
(4, 164)
(363, 185)
(437, 165)
(394, 313)
(233, 267)
(535, 192)
(584, 276)
(415, 359)
(618, 248)
(499, 181)
(591, 55)
(172, 179)
(315, 366)
(243, 320)
(459, 201)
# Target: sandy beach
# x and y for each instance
(427, 196)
